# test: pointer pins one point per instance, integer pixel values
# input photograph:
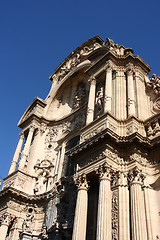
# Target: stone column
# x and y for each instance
(124, 220)
(130, 91)
(138, 221)
(25, 152)
(91, 100)
(6, 218)
(16, 154)
(108, 88)
(104, 227)
(80, 219)
(147, 210)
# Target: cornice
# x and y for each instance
(12, 192)
(118, 60)
(108, 134)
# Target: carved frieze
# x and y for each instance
(138, 158)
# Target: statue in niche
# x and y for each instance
(99, 101)
(80, 96)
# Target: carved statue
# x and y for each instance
(80, 96)
(154, 83)
(45, 174)
(99, 101)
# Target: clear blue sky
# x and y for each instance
(36, 35)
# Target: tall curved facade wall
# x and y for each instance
(87, 164)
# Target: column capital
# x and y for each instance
(82, 182)
(32, 128)
(21, 134)
(108, 66)
(136, 176)
(129, 69)
(6, 218)
(104, 171)
(92, 79)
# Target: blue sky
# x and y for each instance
(37, 35)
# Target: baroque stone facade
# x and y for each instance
(87, 164)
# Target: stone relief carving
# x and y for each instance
(86, 50)
(115, 178)
(20, 182)
(61, 209)
(51, 135)
(154, 83)
(80, 96)
(116, 48)
(66, 127)
(139, 158)
(44, 170)
(156, 104)
(28, 223)
(74, 60)
(114, 215)
(113, 156)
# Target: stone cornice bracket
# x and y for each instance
(82, 182)
(104, 172)
(135, 176)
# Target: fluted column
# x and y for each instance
(147, 210)
(104, 228)
(6, 218)
(138, 221)
(124, 220)
(16, 154)
(130, 91)
(91, 100)
(108, 88)
(25, 152)
(80, 219)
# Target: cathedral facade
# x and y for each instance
(87, 164)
